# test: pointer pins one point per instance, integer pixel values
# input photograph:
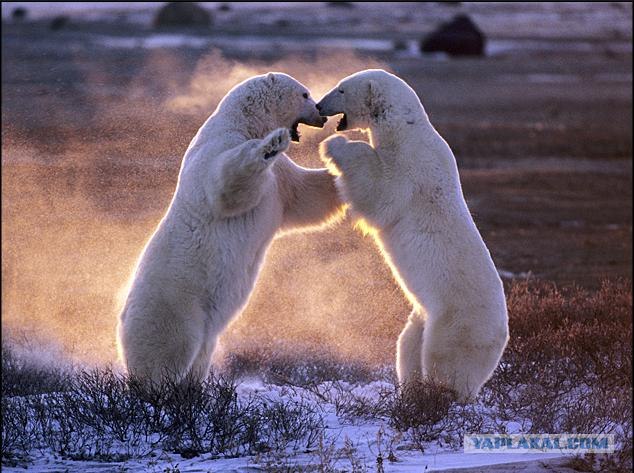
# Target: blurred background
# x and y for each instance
(100, 100)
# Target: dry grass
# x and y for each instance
(568, 365)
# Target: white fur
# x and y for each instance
(235, 190)
(405, 187)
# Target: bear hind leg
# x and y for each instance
(202, 363)
(157, 353)
(452, 357)
(409, 349)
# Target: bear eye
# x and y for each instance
(341, 91)
(305, 95)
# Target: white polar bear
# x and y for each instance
(405, 187)
(236, 189)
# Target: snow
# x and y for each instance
(411, 463)
(243, 42)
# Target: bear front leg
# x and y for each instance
(310, 197)
(346, 155)
(243, 176)
(360, 173)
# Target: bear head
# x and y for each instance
(274, 100)
(371, 98)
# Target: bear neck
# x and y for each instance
(395, 134)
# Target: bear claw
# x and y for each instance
(276, 142)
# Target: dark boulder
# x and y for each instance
(182, 14)
(58, 22)
(19, 14)
(459, 37)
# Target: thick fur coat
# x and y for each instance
(236, 190)
(404, 186)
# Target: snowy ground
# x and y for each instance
(348, 443)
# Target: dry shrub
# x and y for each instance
(421, 403)
(568, 364)
(567, 367)
(108, 416)
(22, 377)
(428, 412)
(304, 367)
(586, 333)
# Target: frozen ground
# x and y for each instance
(349, 443)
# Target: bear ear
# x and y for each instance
(270, 77)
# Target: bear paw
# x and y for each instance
(275, 142)
(332, 152)
(333, 146)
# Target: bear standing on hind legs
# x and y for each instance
(236, 189)
(405, 186)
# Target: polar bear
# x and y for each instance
(236, 189)
(405, 187)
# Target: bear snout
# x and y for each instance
(326, 110)
(330, 104)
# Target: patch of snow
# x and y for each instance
(504, 274)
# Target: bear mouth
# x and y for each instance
(343, 123)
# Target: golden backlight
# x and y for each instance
(76, 217)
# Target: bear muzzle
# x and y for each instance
(332, 104)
